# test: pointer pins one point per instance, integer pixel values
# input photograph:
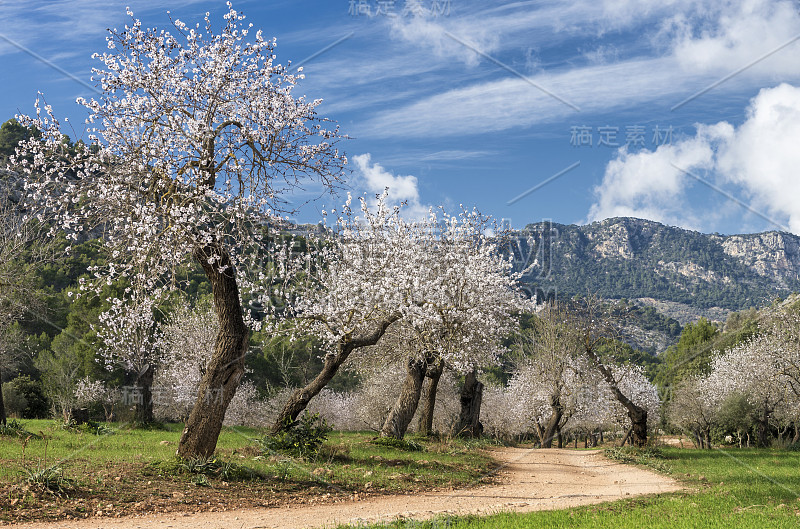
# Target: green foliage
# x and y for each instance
(11, 133)
(405, 445)
(14, 428)
(691, 355)
(215, 468)
(622, 353)
(49, 479)
(25, 397)
(301, 438)
(90, 427)
(282, 362)
(736, 417)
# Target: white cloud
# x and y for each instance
(726, 36)
(401, 189)
(760, 158)
(646, 184)
(763, 154)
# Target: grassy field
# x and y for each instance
(734, 488)
(125, 471)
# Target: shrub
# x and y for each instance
(25, 398)
(301, 438)
(650, 456)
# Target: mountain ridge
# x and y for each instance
(639, 259)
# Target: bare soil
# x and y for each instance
(528, 480)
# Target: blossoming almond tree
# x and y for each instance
(349, 288)
(595, 327)
(187, 348)
(753, 368)
(196, 138)
(130, 337)
(467, 303)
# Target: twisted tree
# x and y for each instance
(195, 141)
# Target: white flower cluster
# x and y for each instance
(193, 142)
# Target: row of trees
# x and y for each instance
(193, 146)
(753, 386)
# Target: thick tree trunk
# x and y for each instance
(225, 370)
(471, 395)
(559, 437)
(2, 403)
(795, 439)
(637, 414)
(763, 429)
(302, 396)
(551, 428)
(406, 404)
(143, 407)
(430, 386)
(627, 436)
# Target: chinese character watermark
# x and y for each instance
(393, 8)
(611, 136)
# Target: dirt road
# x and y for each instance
(531, 480)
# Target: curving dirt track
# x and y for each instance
(531, 480)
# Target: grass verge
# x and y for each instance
(735, 488)
(114, 471)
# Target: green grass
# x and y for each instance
(736, 488)
(348, 460)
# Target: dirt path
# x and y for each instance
(531, 480)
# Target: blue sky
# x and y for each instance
(477, 103)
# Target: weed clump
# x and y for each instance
(301, 438)
(400, 444)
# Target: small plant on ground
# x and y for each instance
(649, 456)
(400, 444)
(91, 427)
(14, 428)
(48, 479)
(204, 468)
(301, 438)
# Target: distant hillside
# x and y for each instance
(683, 274)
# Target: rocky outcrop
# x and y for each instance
(636, 258)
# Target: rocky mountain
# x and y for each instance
(683, 274)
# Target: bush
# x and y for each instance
(92, 427)
(25, 398)
(301, 438)
(793, 447)
(649, 456)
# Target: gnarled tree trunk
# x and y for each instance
(431, 385)
(302, 396)
(143, 407)
(225, 370)
(637, 414)
(406, 404)
(551, 428)
(471, 395)
(2, 403)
